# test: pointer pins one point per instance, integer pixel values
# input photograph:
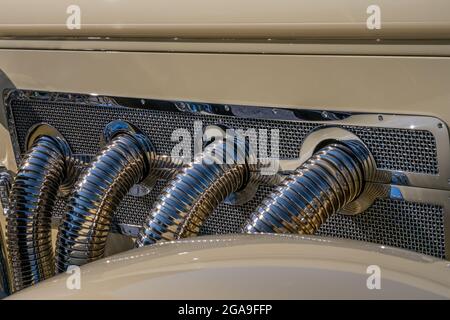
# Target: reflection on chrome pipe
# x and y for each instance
(196, 191)
(4, 279)
(74, 169)
(125, 159)
(166, 167)
(33, 194)
(333, 177)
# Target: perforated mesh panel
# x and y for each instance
(413, 226)
(393, 149)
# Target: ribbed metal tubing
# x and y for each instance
(166, 168)
(333, 177)
(97, 194)
(195, 192)
(32, 197)
(4, 279)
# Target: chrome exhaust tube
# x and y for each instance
(4, 277)
(33, 194)
(196, 191)
(166, 167)
(125, 159)
(324, 184)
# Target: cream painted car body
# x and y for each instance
(254, 267)
(296, 54)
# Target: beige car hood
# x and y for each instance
(255, 19)
(254, 267)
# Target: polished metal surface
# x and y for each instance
(421, 143)
(413, 149)
(373, 186)
(4, 277)
(5, 188)
(76, 164)
(33, 194)
(124, 160)
(165, 167)
(325, 183)
(190, 198)
(405, 217)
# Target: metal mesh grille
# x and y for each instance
(414, 226)
(393, 149)
(401, 149)
(417, 227)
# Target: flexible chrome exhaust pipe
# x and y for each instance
(4, 277)
(125, 159)
(328, 181)
(33, 194)
(196, 191)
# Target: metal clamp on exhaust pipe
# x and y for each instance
(183, 206)
(329, 181)
(125, 159)
(43, 170)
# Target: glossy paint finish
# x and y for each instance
(256, 267)
(438, 48)
(404, 19)
(405, 85)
